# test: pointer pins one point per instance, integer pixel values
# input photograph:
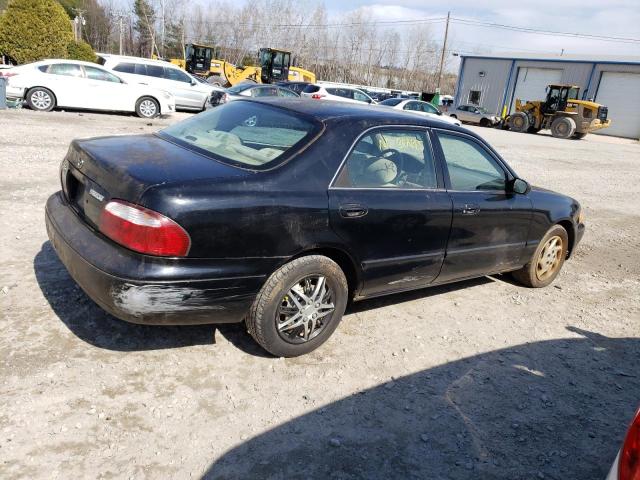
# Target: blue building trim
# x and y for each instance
(593, 69)
(506, 88)
(456, 100)
(559, 60)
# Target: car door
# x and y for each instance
(490, 224)
(181, 85)
(388, 205)
(462, 112)
(107, 90)
(69, 85)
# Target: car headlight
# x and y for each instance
(580, 217)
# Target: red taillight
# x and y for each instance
(224, 98)
(143, 230)
(317, 96)
(7, 74)
(629, 464)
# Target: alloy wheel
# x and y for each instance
(305, 310)
(41, 99)
(550, 258)
(148, 108)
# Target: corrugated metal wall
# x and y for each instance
(491, 85)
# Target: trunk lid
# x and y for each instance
(98, 169)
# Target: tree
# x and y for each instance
(144, 26)
(34, 29)
(79, 50)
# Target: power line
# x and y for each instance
(480, 23)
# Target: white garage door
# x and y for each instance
(531, 83)
(620, 92)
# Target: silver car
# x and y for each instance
(249, 89)
(189, 92)
(474, 114)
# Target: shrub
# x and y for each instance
(31, 30)
(80, 51)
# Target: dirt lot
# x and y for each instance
(484, 379)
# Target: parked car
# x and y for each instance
(626, 466)
(340, 94)
(474, 114)
(249, 89)
(48, 84)
(279, 211)
(419, 107)
(297, 87)
(189, 92)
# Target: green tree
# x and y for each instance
(144, 26)
(80, 51)
(34, 29)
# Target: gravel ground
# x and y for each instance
(483, 379)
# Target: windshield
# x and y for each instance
(241, 87)
(482, 109)
(392, 102)
(246, 134)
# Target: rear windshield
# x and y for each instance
(311, 89)
(241, 87)
(245, 134)
(392, 102)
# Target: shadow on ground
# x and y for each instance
(96, 327)
(548, 410)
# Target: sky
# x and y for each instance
(616, 18)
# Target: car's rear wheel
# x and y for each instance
(147, 107)
(563, 127)
(299, 306)
(519, 122)
(41, 99)
(546, 262)
(484, 122)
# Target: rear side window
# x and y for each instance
(66, 69)
(393, 159)
(341, 92)
(245, 134)
(140, 69)
(311, 89)
(155, 71)
(125, 68)
(391, 102)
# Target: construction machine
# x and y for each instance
(273, 66)
(561, 112)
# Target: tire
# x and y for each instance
(147, 107)
(579, 136)
(563, 127)
(519, 122)
(41, 99)
(276, 304)
(216, 80)
(485, 123)
(453, 116)
(533, 273)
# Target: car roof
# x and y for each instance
(66, 60)
(127, 58)
(329, 111)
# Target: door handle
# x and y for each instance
(353, 211)
(470, 209)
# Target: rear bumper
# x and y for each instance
(151, 290)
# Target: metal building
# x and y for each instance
(496, 81)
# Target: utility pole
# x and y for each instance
(162, 35)
(444, 49)
(78, 23)
(121, 25)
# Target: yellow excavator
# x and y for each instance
(274, 66)
(561, 112)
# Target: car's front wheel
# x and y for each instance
(147, 107)
(299, 306)
(546, 262)
(41, 99)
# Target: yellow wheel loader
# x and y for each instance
(561, 112)
(274, 66)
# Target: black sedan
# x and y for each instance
(248, 89)
(278, 213)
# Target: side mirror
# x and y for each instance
(193, 82)
(520, 186)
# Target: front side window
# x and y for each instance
(264, 92)
(390, 158)
(391, 102)
(471, 167)
(245, 134)
(284, 92)
(428, 108)
(99, 74)
(176, 75)
(361, 97)
(66, 69)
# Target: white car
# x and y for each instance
(340, 94)
(419, 107)
(190, 94)
(48, 84)
(474, 114)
